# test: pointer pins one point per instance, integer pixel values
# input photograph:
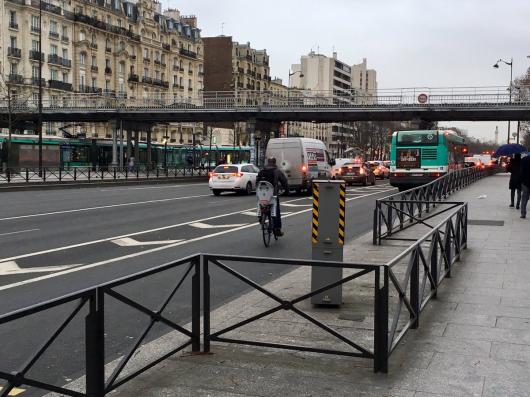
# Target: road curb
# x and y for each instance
(77, 185)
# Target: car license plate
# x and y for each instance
(416, 174)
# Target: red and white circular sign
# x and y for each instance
(422, 98)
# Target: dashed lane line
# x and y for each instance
(152, 250)
(103, 207)
(200, 225)
(71, 246)
(18, 232)
(130, 242)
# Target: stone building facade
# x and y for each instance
(128, 49)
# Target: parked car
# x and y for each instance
(301, 159)
(233, 177)
(379, 169)
(357, 173)
(339, 162)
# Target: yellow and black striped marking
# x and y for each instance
(314, 226)
(342, 213)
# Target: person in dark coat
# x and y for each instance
(525, 184)
(514, 168)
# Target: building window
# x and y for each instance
(35, 45)
(107, 63)
(82, 58)
(53, 27)
(107, 85)
(53, 74)
(82, 79)
(13, 68)
(53, 49)
(94, 61)
(65, 77)
(94, 82)
(82, 35)
(64, 32)
(121, 67)
(65, 53)
(34, 23)
(13, 42)
(121, 85)
(13, 19)
(35, 72)
(146, 72)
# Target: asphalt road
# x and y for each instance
(53, 242)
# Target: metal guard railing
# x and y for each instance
(427, 262)
(400, 211)
(57, 174)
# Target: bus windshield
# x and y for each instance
(415, 138)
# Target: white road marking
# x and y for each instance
(294, 205)
(18, 232)
(11, 268)
(103, 207)
(169, 186)
(130, 242)
(152, 250)
(200, 225)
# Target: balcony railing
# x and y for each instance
(35, 29)
(89, 90)
(108, 70)
(54, 35)
(107, 92)
(190, 72)
(176, 68)
(133, 78)
(80, 17)
(59, 85)
(133, 57)
(66, 63)
(201, 73)
(188, 53)
(14, 52)
(36, 55)
(65, 39)
(94, 68)
(16, 78)
(46, 6)
(108, 49)
(157, 62)
(166, 47)
(147, 60)
(94, 46)
(13, 25)
(35, 81)
(147, 80)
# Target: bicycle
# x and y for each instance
(266, 202)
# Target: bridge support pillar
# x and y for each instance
(129, 144)
(149, 160)
(114, 126)
(137, 147)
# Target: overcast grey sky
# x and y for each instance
(410, 43)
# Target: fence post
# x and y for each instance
(44, 174)
(464, 237)
(196, 304)
(27, 175)
(434, 261)
(381, 320)
(8, 174)
(206, 304)
(447, 248)
(374, 227)
(95, 345)
(60, 174)
(390, 224)
(415, 300)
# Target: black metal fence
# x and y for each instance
(400, 211)
(92, 174)
(402, 288)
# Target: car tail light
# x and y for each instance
(361, 171)
(237, 174)
(304, 168)
(213, 174)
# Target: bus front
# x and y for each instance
(416, 158)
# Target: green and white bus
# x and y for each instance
(419, 157)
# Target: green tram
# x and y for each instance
(419, 157)
(68, 153)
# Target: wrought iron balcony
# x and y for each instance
(147, 80)
(15, 78)
(166, 47)
(188, 53)
(94, 46)
(65, 39)
(94, 68)
(36, 55)
(190, 72)
(147, 60)
(107, 92)
(108, 70)
(35, 81)
(35, 29)
(59, 85)
(108, 49)
(13, 25)
(133, 78)
(54, 35)
(14, 52)
(157, 62)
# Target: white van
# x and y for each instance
(301, 160)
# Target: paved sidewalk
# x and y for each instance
(474, 340)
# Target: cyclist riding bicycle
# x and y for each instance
(272, 174)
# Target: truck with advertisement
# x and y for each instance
(302, 160)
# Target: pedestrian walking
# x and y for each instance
(131, 164)
(514, 168)
(525, 184)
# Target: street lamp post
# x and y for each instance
(39, 119)
(288, 92)
(510, 64)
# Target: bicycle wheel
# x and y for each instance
(266, 227)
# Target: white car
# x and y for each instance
(233, 177)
